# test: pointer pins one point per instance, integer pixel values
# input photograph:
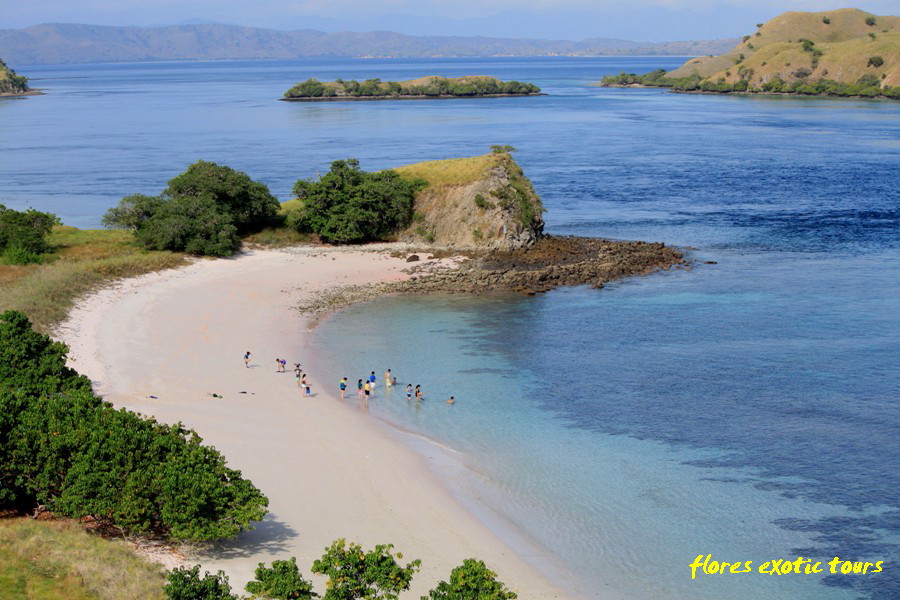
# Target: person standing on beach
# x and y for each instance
(418, 393)
(298, 376)
(367, 390)
(303, 382)
(343, 386)
(409, 391)
(372, 382)
(359, 389)
(278, 365)
(387, 378)
(247, 359)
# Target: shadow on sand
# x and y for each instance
(271, 536)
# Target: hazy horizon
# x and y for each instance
(637, 20)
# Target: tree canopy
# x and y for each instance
(348, 205)
(23, 234)
(202, 211)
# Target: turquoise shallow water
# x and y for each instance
(746, 409)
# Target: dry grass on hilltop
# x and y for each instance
(54, 560)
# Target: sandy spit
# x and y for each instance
(329, 469)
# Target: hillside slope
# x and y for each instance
(10, 83)
(845, 38)
(846, 52)
(479, 202)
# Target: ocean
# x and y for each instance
(746, 409)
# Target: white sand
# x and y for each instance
(328, 469)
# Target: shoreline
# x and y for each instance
(354, 481)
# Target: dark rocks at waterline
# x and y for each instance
(550, 263)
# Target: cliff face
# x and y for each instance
(484, 202)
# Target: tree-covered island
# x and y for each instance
(12, 84)
(470, 86)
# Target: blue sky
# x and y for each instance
(644, 20)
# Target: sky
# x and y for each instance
(640, 20)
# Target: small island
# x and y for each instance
(12, 84)
(430, 87)
(844, 52)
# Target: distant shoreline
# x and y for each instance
(418, 97)
(20, 94)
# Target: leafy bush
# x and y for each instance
(202, 211)
(196, 225)
(16, 255)
(503, 149)
(186, 584)
(471, 581)
(282, 581)
(132, 212)
(875, 61)
(348, 205)
(826, 20)
(25, 230)
(870, 21)
(65, 448)
(372, 575)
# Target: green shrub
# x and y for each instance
(196, 225)
(826, 20)
(65, 448)
(249, 203)
(503, 149)
(281, 581)
(353, 573)
(483, 204)
(202, 211)
(16, 255)
(132, 212)
(476, 233)
(870, 21)
(471, 581)
(25, 230)
(186, 584)
(875, 61)
(349, 205)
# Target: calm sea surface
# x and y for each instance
(747, 409)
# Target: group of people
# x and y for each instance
(365, 388)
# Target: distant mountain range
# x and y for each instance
(64, 43)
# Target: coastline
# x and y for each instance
(329, 470)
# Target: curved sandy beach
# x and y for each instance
(328, 468)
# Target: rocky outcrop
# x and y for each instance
(491, 206)
(550, 263)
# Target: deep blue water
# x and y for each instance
(746, 409)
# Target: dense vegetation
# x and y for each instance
(202, 211)
(425, 87)
(23, 235)
(66, 449)
(349, 205)
(10, 83)
(868, 86)
(353, 573)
